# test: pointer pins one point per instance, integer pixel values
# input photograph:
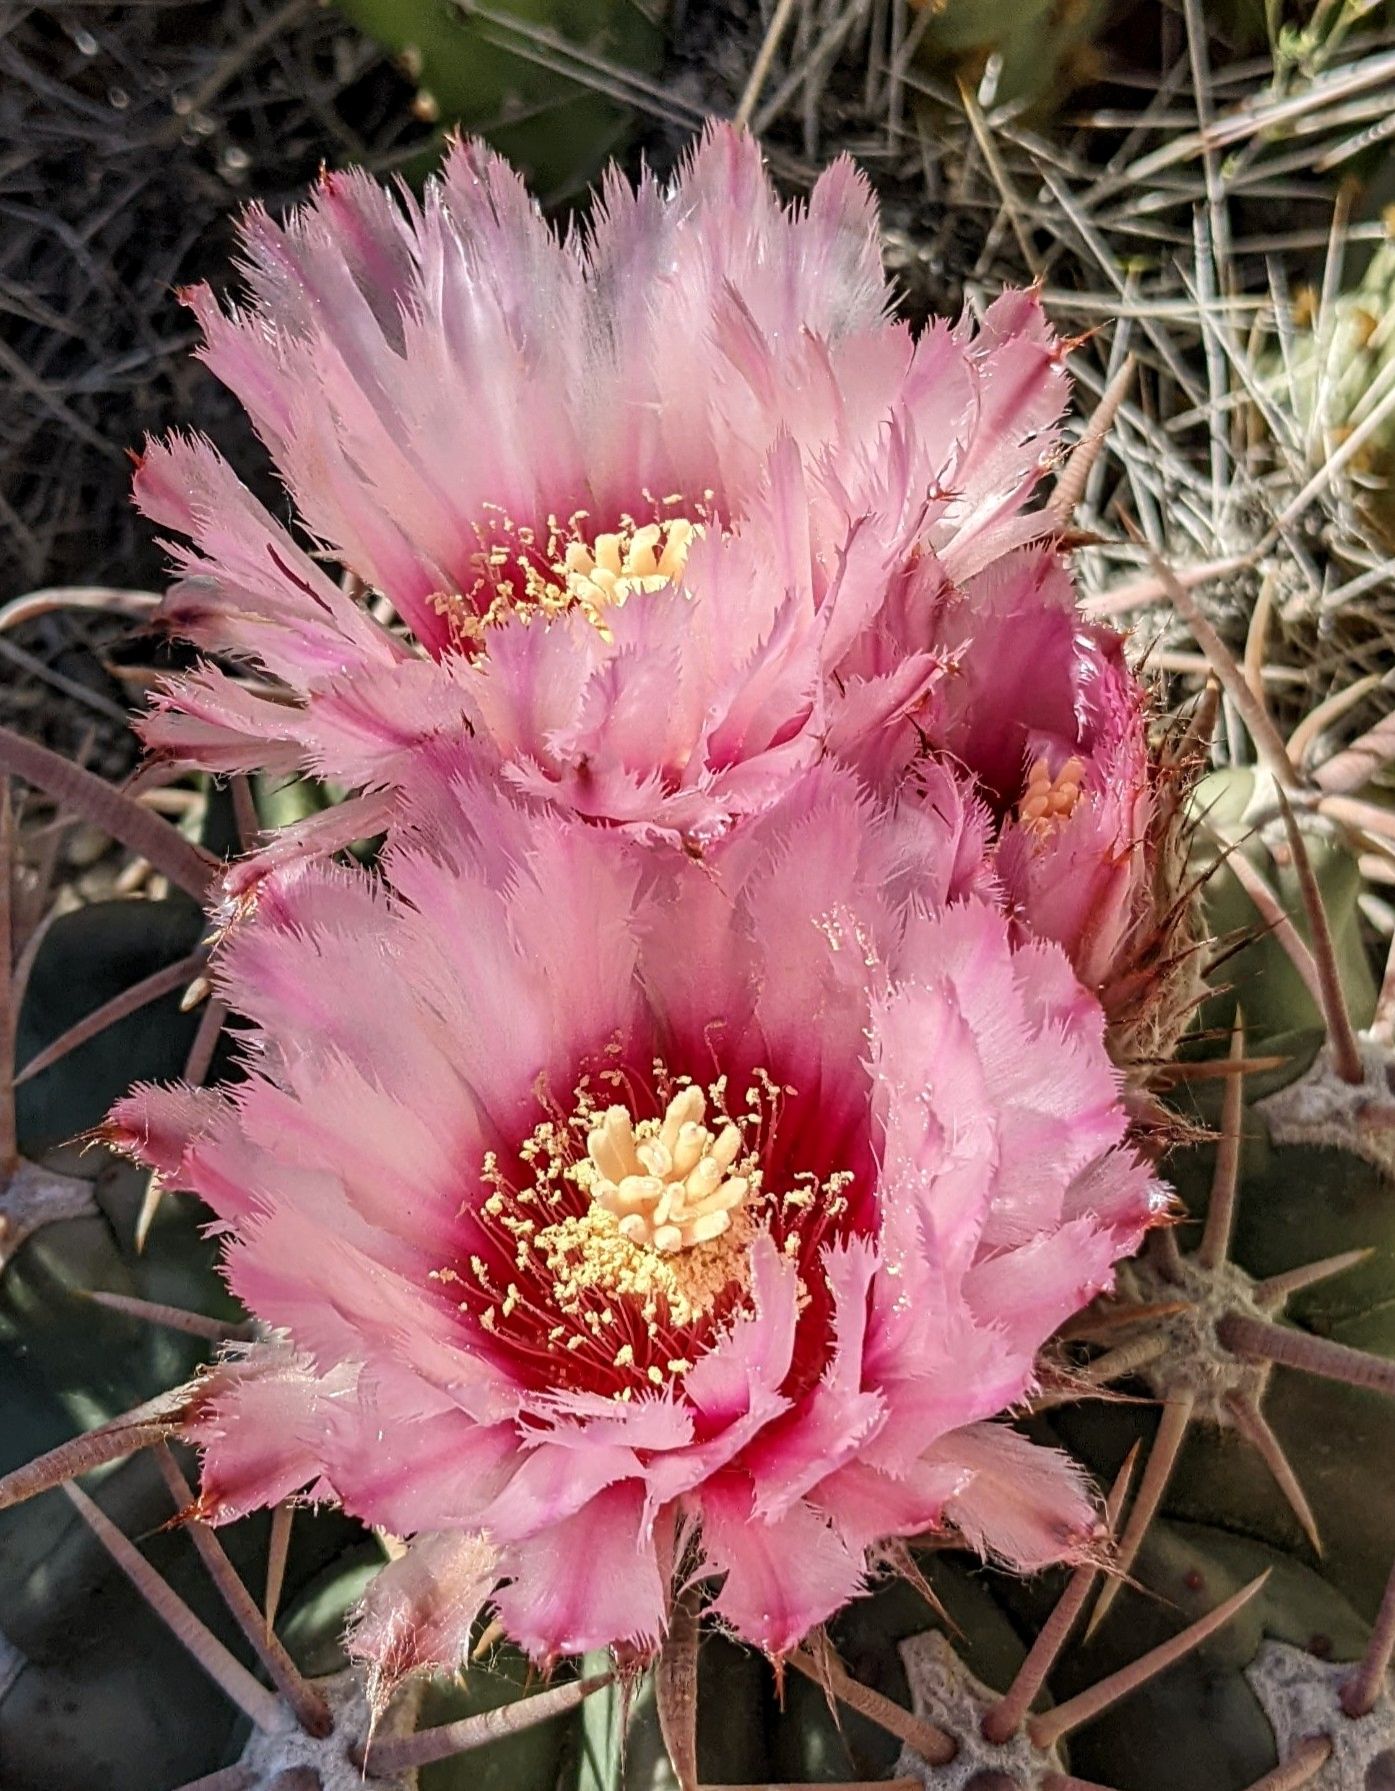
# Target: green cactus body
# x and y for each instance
(1216, 1732)
(1037, 50)
(1281, 1014)
(503, 72)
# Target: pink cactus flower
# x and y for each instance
(1041, 709)
(621, 501)
(625, 1222)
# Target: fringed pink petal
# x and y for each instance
(550, 1485)
(1119, 1191)
(868, 1506)
(157, 1125)
(1019, 1503)
(366, 727)
(938, 1375)
(417, 1614)
(1020, 393)
(402, 1457)
(577, 1420)
(213, 721)
(249, 589)
(335, 1292)
(257, 1424)
(591, 1581)
(318, 836)
(938, 1153)
(782, 1578)
(817, 270)
(1013, 634)
(1042, 1086)
(747, 1364)
(1028, 1292)
(839, 1415)
(1083, 880)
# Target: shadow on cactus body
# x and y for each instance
(88, 957)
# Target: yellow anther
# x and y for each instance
(609, 557)
(619, 562)
(645, 1235)
(1047, 800)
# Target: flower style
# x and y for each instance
(624, 1221)
(633, 493)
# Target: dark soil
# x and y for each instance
(130, 135)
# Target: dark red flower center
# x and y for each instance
(611, 1251)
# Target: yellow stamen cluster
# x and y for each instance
(624, 1238)
(525, 571)
(603, 574)
(1048, 800)
(668, 1182)
(626, 1231)
(589, 1255)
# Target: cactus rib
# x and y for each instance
(249, 1694)
(306, 1704)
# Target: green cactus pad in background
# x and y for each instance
(1031, 53)
(549, 83)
